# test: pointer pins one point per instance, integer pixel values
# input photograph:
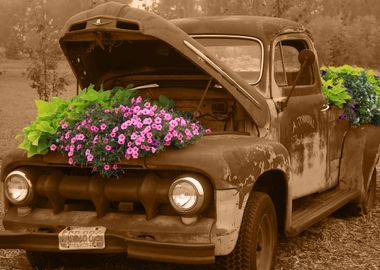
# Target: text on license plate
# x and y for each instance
(74, 238)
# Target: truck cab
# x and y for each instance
(277, 160)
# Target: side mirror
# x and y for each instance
(306, 58)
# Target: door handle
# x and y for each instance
(325, 107)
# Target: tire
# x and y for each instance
(369, 201)
(257, 242)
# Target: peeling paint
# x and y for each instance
(229, 217)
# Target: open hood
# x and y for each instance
(114, 40)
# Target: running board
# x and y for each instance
(319, 208)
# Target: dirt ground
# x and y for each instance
(340, 241)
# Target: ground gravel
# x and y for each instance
(341, 241)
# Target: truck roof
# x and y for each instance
(264, 28)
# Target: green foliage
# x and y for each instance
(335, 92)
(38, 135)
(355, 90)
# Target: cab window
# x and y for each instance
(286, 64)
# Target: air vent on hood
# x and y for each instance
(78, 26)
(127, 25)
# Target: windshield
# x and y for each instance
(242, 54)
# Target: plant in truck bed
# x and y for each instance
(355, 90)
(98, 129)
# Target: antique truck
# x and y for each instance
(278, 159)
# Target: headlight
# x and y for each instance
(189, 194)
(18, 187)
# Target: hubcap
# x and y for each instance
(264, 244)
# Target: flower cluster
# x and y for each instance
(355, 90)
(139, 129)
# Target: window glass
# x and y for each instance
(286, 64)
(244, 56)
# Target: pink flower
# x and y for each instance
(136, 109)
(79, 146)
(71, 161)
(73, 140)
(107, 111)
(207, 130)
(113, 134)
(147, 104)
(153, 150)
(139, 125)
(53, 147)
(168, 137)
(106, 167)
(95, 140)
(90, 157)
(108, 147)
(147, 121)
(64, 126)
(88, 151)
(121, 137)
(94, 128)
(115, 129)
(79, 137)
(168, 116)
(138, 99)
(157, 120)
(114, 166)
(126, 124)
(103, 126)
(159, 127)
(135, 155)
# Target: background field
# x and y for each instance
(17, 100)
(338, 242)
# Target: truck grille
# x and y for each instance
(144, 190)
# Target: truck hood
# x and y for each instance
(113, 39)
(229, 161)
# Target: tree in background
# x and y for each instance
(39, 37)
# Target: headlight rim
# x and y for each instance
(200, 195)
(29, 183)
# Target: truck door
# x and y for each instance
(303, 123)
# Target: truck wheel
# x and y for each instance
(256, 245)
(369, 200)
(42, 260)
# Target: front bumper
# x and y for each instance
(140, 249)
(164, 238)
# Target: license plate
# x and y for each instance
(76, 238)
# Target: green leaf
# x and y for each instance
(44, 126)
(32, 151)
(90, 95)
(45, 108)
(34, 137)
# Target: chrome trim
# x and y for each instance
(200, 195)
(221, 71)
(241, 37)
(325, 107)
(29, 184)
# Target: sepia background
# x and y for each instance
(344, 32)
